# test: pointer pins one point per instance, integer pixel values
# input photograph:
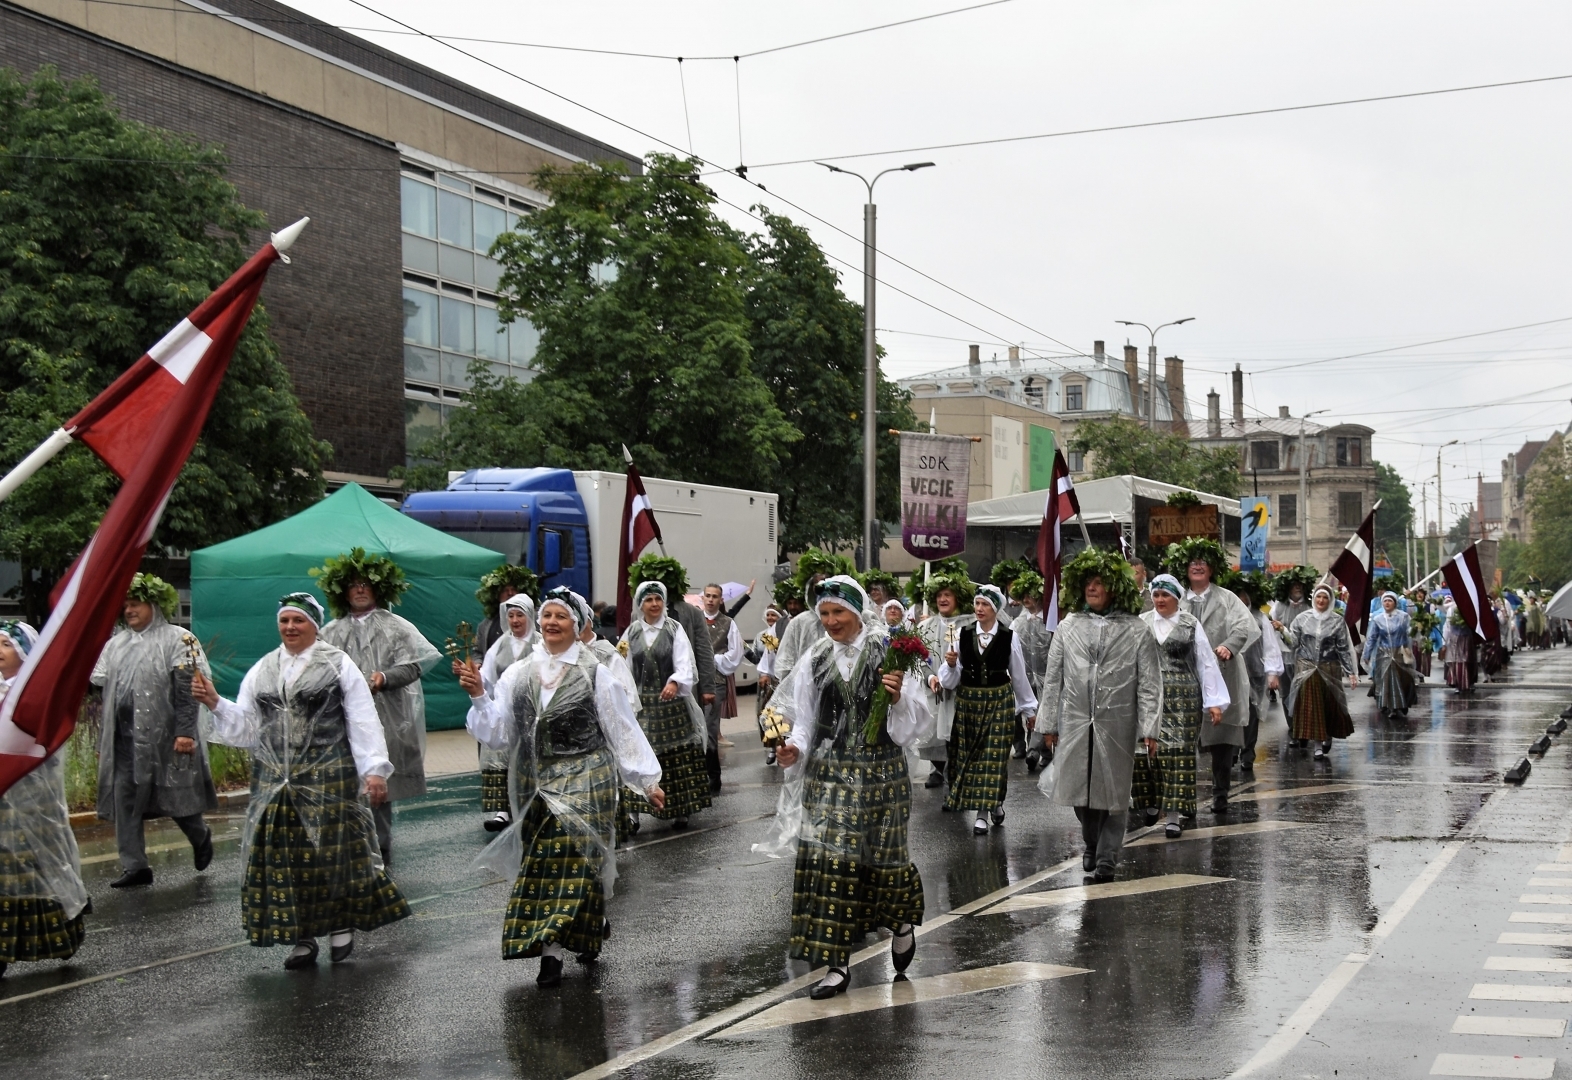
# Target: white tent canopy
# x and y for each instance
(1560, 606)
(1108, 501)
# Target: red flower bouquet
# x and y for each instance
(904, 652)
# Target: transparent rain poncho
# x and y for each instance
(653, 664)
(39, 859)
(1321, 649)
(1102, 693)
(506, 651)
(382, 641)
(798, 699)
(141, 670)
(572, 755)
(941, 633)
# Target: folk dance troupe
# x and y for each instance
(580, 735)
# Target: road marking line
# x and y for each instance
(123, 971)
(1554, 867)
(1292, 793)
(1299, 1024)
(1552, 882)
(1545, 898)
(1510, 938)
(1081, 894)
(1217, 832)
(906, 992)
(1526, 1068)
(1541, 917)
(679, 834)
(1527, 1027)
(1511, 992)
(1554, 964)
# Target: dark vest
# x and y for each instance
(991, 667)
(720, 632)
(304, 723)
(652, 666)
(1178, 652)
(843, 705)
(570, 724)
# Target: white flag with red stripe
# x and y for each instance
(144, 427)
(1467, 583)
(1062, 504)
(638, 529)
(1354, 570)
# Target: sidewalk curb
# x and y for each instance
(227, 800)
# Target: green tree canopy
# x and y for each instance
(1119, 445)
(1547, 557)
(110, 233)
(1394, 518)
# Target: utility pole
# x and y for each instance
(1151, 368)
(1441, 526)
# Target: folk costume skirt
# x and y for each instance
(979, 750)
(854, 870)
(1392, 683)
(493, 781)
(683, 774)
(1319, 711)
(1166, 781)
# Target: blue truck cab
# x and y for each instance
(532, 516)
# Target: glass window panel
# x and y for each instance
(456, 265)
(490, 221)
(419, 206)
(420, 254)
(453, 182)
(422, 422)
(454, 219)
(524, 339)
(605, 272)
(491, 337)
(420, 317)
(455, 371)
(420, 365)
(501, 371)
(488, 273)
(524, 375)
(458, 325)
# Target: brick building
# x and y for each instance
(406, 173)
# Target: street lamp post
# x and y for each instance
(1441, 525)
(1304, 490)
(872, 534)
(1151, 367)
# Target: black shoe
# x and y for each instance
(303, 955)
(935, 779)
(769, 756)
(202, 853)
(550, 972)
(634, 824)
(1102, 877)
(1173, 830)
(1018, 748)
(340, 953)
(902, 959)
(132, 878)
(1219, 804)
(715, 785)
(1034, 761)
(828, 988)
(1247, 766)
(498, 821)
(998, 814)
(1149, 816)
(387, 858)
(1089, 861)
(679, 823)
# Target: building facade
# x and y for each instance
(406, 173)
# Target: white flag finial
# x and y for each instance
(625, 455)
(285, 238)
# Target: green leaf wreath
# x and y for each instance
(338, 572)
(1117, 577)
(152, 589)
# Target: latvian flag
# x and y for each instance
(638, 529)
(1062, 505)
(1353, 570)
(144, 427)
(1467, 583)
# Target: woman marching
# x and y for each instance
(847, 799)
(497, 587)
(951, 596)
(42, 898)
(1323, 656)
(1457, 651)
(514, 644)
(573, 742)
(1192, 684)
(1391, 677)
(988, 674)
(661, 656)
(309, 851)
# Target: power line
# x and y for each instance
(1417, 344)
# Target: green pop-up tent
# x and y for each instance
(236, 585)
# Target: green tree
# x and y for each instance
(1394, 518)
(110, 233)
(1548, 555)
(1119, 445)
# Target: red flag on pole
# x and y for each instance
(638, 529)
(144, 426)
(1061, 506)
(1467, 583)
(1353, 570)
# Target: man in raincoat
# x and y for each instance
(392, 655)
(1102, 695)
(151, 758)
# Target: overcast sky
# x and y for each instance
(1289, 237)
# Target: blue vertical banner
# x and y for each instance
(1255, 526)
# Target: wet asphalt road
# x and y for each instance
(1337, 926)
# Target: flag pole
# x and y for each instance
(1086, 537)
(1437, 571)
(34, 461)
(627, 456)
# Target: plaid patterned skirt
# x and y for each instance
(684, 777)
(494, 791)
(1392, 682)
(1319, 714)
(558, 896)
(979, 747)
(1166, 781)
(854, 871)
(297, 885)
(32, 928)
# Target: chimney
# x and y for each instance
(1238, 396)
(1015, 356)
(1132, 372)
(1282, 413)
(973, 360)
(1173, 374)
(1214, 414)
(1097, 352)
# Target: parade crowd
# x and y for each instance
(584, 731)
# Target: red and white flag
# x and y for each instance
(1353, 570)
(144, 427)
(638, 529)
(1061, 506)
(1467, 583)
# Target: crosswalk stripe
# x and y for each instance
(1555, 964)
(904, 992)
(1219, 832)
(1527, 1027)
(1545, 898)
(1551, 882)
(1562, 917)
(1519, 992)
(1081, 894)
(1510, 938)
(1526, 1068)
(1292, 793)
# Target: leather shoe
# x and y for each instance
(1219, 804)
(550, 971)
(1088, 862)
(132, 878)
(303, 955)
(202, 853)
(339, 953)
(1149, 816)
(902, 959)
(998, 815)
(1102, 877)
(828, 989)
(497, 822)
(1173, 830)
(935, 779)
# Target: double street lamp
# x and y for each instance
(1151, 366)
(872, 533)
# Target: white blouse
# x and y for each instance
(1025, 696)
(907, 718)
(1214, 691)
